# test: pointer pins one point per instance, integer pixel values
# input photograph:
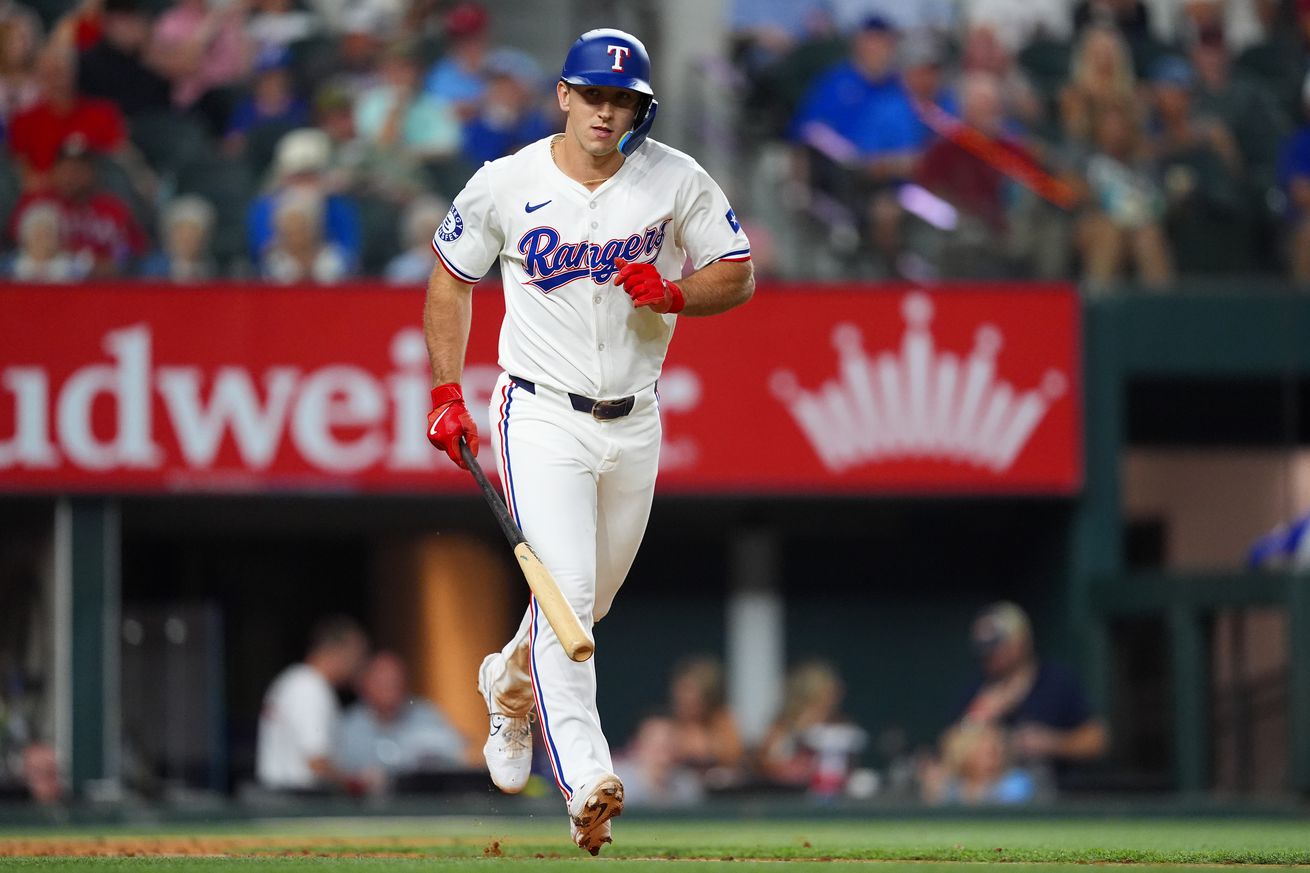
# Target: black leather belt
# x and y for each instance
(602, 410)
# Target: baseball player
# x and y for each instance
(590, 228)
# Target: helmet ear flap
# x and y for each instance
(632, 140)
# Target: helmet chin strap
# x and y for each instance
(632, 140)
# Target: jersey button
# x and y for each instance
(592, 204)
(595, 225)
(596, 299)
(601, 347)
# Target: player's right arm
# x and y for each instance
(466, 245)
(447, 314)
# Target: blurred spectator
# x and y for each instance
(1041, 704)
(1235, 21)
(892, 135)
(1294, 177)
(986, 235)
(511, 114)
(271, 108)
(36, 134)
(120, 67)
(1020, 22)
(765, 31)
(811, 744)
(41, 255)
(204, 50)
(299, 719)
(1101, 77)
(301, 165)
(299, 253)
(355, 64)
(399, 118)
(280, 24)
(386, 15)
(414, 265)
(41, 774)
(389, 730)
(976, 768)
(1208, 224)
(984, 52)
(830, 113)
(1244, 107)
(97, 224)
(1121, 223)
(651, 773)
(1280, 60)
(705, 736)
(187, 227)
(459, 77)
(20, 36)
(1131, 18)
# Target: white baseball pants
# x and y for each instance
(581, 490)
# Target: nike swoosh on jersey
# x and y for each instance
(528, 207)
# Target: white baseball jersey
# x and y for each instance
(297, 724)
(566, 324)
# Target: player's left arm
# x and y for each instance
(717, 287)
(708, 230)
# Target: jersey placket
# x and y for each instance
(599, 323)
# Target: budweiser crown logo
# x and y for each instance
(920, 402)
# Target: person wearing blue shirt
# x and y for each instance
(460, 76)
(391, 732)
(511, 115)
(1294, 178)
(829, 114)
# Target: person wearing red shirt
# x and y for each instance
(96, 222)
(36, 134)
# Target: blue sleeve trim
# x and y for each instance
(459, 274)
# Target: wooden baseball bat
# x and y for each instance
(572, 636)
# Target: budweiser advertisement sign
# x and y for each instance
(808, 389)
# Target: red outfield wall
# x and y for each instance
(807, 389)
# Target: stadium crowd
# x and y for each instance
(317, 140)
(1106, 140)
(201, 139)
(1019, 725)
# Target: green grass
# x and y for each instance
(492, 845)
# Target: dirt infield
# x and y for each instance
(214, 847)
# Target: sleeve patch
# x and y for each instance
(732, 221)
(452, 226)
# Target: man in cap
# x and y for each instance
(1043, 705)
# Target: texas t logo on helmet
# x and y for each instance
(612, 58)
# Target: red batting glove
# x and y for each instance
(647, 287)
(449, 420)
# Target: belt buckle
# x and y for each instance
(600, 410)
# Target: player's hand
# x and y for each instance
(449, 420)
(647, 287)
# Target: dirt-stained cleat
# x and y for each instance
(591, 809)
(593, 839)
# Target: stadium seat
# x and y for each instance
(170, 142)
(379, 231)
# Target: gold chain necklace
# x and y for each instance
(585, 181)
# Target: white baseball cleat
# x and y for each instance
(593, 839)
(591, 809)
(508, 749)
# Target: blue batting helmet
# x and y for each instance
(614, 59)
